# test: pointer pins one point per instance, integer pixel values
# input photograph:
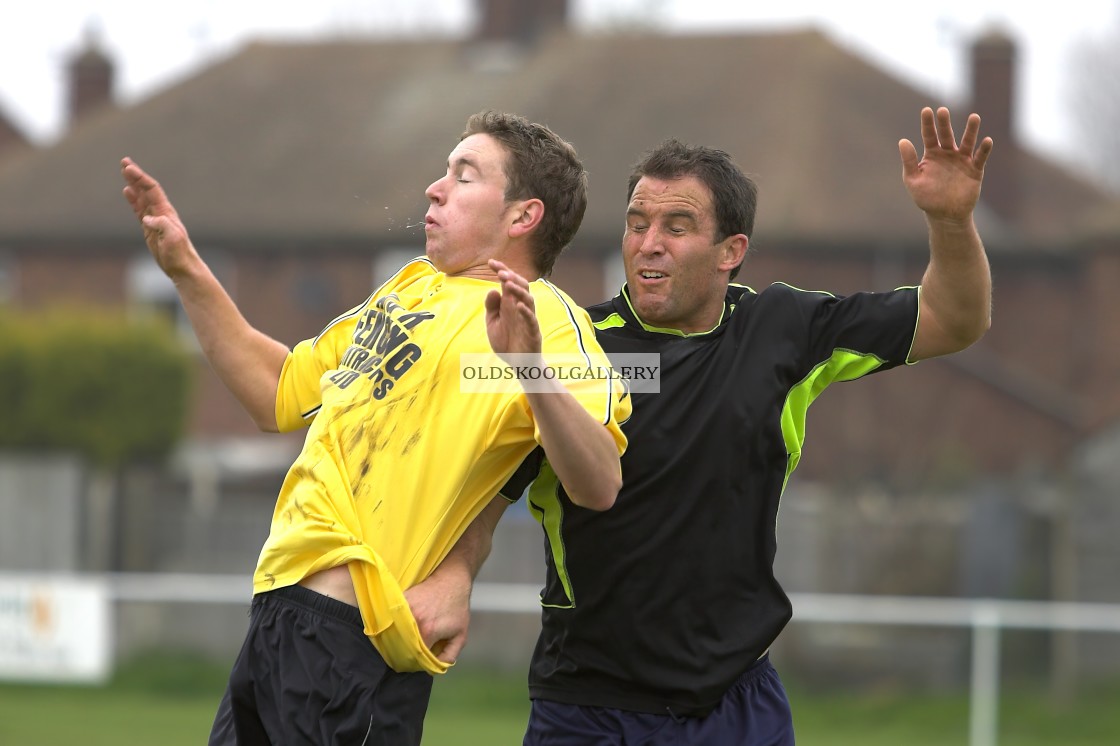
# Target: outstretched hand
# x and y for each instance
(945, 183)
(511, 315)
(164, 232)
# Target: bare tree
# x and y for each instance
(1094, 99)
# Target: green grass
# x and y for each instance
(472, 708)
(1028, 716)
(171, 700)
(168, 700)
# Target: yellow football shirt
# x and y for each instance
(398, 460)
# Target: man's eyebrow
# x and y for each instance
(462, 161)
(679, 213)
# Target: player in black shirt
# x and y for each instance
(657, 614)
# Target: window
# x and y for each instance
(389, 260)
(614, 274)
(151, 292)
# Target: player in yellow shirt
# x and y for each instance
(399, 459)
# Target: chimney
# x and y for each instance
(519, 21)
(993, 98)
(90, 76)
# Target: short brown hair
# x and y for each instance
(539, 165)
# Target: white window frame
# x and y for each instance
(614, 274)
(149, 291)
(388, 260)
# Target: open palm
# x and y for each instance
(945, 183)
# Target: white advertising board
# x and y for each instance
(54, 628)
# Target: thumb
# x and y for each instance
(909, 157)
(453, 647)
(493, 301)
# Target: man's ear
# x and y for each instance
(733, 251)
(527, 215)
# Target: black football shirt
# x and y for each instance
(660, 603)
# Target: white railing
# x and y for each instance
(985, 618)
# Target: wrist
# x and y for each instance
(950, 224)
(457, 569)
(190, 271)
(529, 367)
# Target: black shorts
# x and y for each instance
(307, 674)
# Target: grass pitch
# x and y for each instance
(171, 701)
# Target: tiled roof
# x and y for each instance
(295, 144)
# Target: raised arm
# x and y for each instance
(248, 361)
(956, 296)
(580, 449)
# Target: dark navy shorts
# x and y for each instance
(307, 674)
(753, 712)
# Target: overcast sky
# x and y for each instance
(157, 43)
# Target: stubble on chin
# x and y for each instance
(650, 309)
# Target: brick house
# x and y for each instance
(300, 170)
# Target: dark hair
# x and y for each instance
(539, 164)
(734, 194)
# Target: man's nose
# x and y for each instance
(434, 192)
(651, 242)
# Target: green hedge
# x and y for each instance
(109, 388)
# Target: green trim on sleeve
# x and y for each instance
(544, 504)
(843, 365)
